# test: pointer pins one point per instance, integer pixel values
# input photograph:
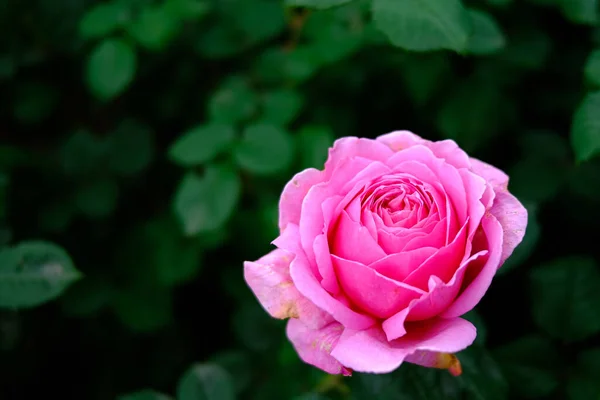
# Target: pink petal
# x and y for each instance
(271, 283)
(290, 202)
(314, 346)
(400, 140)
(350, 147)
(398, 266)
(493, 175)
(307, 284)
(513, 217)
(369, 350)
(475, 187)
(433, 359)
(370, 291)
(436, 238)
(480, 280)
(353, 241)
(324, 264)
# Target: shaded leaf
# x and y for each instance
(201, 144)
(206, 382)
(110, 68)
(486, 36)
(265, 149)
(592, 68)
(585, 129)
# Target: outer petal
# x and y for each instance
(493, 175)
(513, 217)
(290, 202)
(271, 283)
(477, 282)
(369, 350)
(314, 346)
(350, 147)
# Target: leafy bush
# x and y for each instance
(150, 141)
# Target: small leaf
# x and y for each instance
(585, 129)
(86, 297)
(206, 382)
(131, 148)
(281, 106)
(146, 394)
(201, 144)
(318, 4)
(110, 68)
(103, 19)
(204, 203)
(82, 154)
(97, 199)
(530, 365)
(486, 37)
(581, 11)
(422, 25)
(144, 309)
(592, 68)
(313, 145)
(233, 102)
(153, 28)
(187, 9)
(238, 364)
(566, 298)
(34, 272)
(265, 149)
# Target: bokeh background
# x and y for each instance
(144, 145)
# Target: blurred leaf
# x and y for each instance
(565, 295)
(206, 382)
(186, 9)
(313, 145)
(233, 102)
(311, 396)
(201, 144)
(254, 328)
(592, 68)
(33, 273)
(585, 130)
(422, 25)
(319, 4)
(500, 3)
(581, 11)
(265, 149)
(146, 394)
(103, 19)
(424, 73)
(481, 378)
(110, 68)
(204, 203)
(143, 309)
(97, 199)
(583, 381)
(280, 107)
(486, 36)
(34, 102)
(529, 48)
(530, 365)
(86, 297)
(153, 28)
(530, 241)
(238, 365)
(131, 148)
(82, 154)
(277, 65)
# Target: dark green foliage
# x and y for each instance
(144, 145)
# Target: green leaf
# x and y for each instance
(482, 378)
(206, 382)
(33, 273)
(531, 365)
(130, 148)
(238, 365)
(233, 102)
(143, 309)
(581, 11)
(265, 149)
(153, 28)
(424, 74)
(318, 4)
(529, 49)
(313, 145)
(110, 68)
(486, 36)
(82, 154)
(201, 144)
(97, 199)
(583, 380)
(280, 107)
(186, 9)
(566, 298)
(585, 129)
(103, 19)
(146, 394)
(423, 25)
(204, 203)
(592, 68)
(87, 296)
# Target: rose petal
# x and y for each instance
(370, 291)
(290, 202)
(513, 217)
(314, 346)
(493, 175)
(398, 266)
(350, 147)
(369, 351)
(324, 264)
(475, 289)
(353, 241)
(475, 187)
(308, 285)
(271, 283)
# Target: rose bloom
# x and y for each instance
(381, 253)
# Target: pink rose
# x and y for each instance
(382, 252)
